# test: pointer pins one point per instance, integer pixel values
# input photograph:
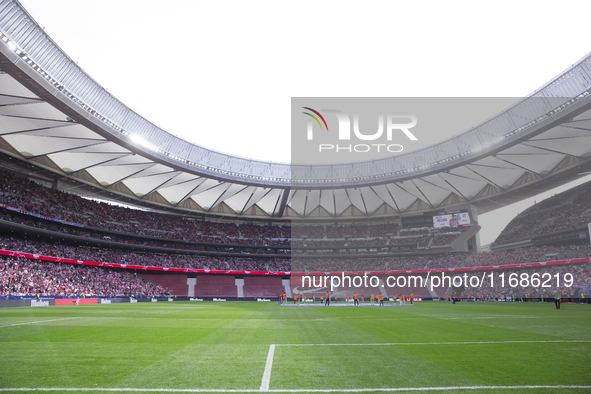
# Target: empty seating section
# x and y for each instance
(263, 286)
(439, 290)
(216, 286)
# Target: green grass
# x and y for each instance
(206, 345)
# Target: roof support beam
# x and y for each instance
(283, 203)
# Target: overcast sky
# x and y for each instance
(222, 73)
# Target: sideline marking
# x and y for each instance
(267, 374)
(42, 321)
(428, 343)
(301, 390)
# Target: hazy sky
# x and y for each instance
(222, 74)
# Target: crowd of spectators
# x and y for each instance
(527, 255)
(569, 209)
(141, 241)
(422, 238)
(374, 241)
(31, 197)
(525, 288)
(445, 236)
(372, 264)
(89, 218)
(93, 219)
(414, 240)
(566, 210)
(147, 259)
(299, 230)
(353, 230)
(22, 277)
(380, 230)
(27, 195)
(254, 263)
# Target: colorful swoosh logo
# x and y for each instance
(315, 118)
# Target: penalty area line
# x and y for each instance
(399, 389)
(267, 374)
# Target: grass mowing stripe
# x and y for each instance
(42, 321)
(399, 389)
(268, 367)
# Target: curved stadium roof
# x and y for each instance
(54, 115)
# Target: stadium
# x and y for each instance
(136, 260)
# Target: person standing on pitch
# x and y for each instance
(327, 300)
(557, 299)
(355, 300)
(583, 301)
(380, 300)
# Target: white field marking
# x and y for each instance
(267, 374)
(496, 317)
(440, 318)
(350, 317)
(35, 322)
(428, 343)
(302, 390)
(245, 320)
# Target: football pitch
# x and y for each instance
(487, 347)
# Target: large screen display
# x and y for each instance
(451, 220)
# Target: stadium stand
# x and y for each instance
(216, 286)
(148, 259)
(19, 276)
(567, 210)
(122, 235)
(581, 274)
(174, 284)
(527, 255)
(257, 286)
(79, 216)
